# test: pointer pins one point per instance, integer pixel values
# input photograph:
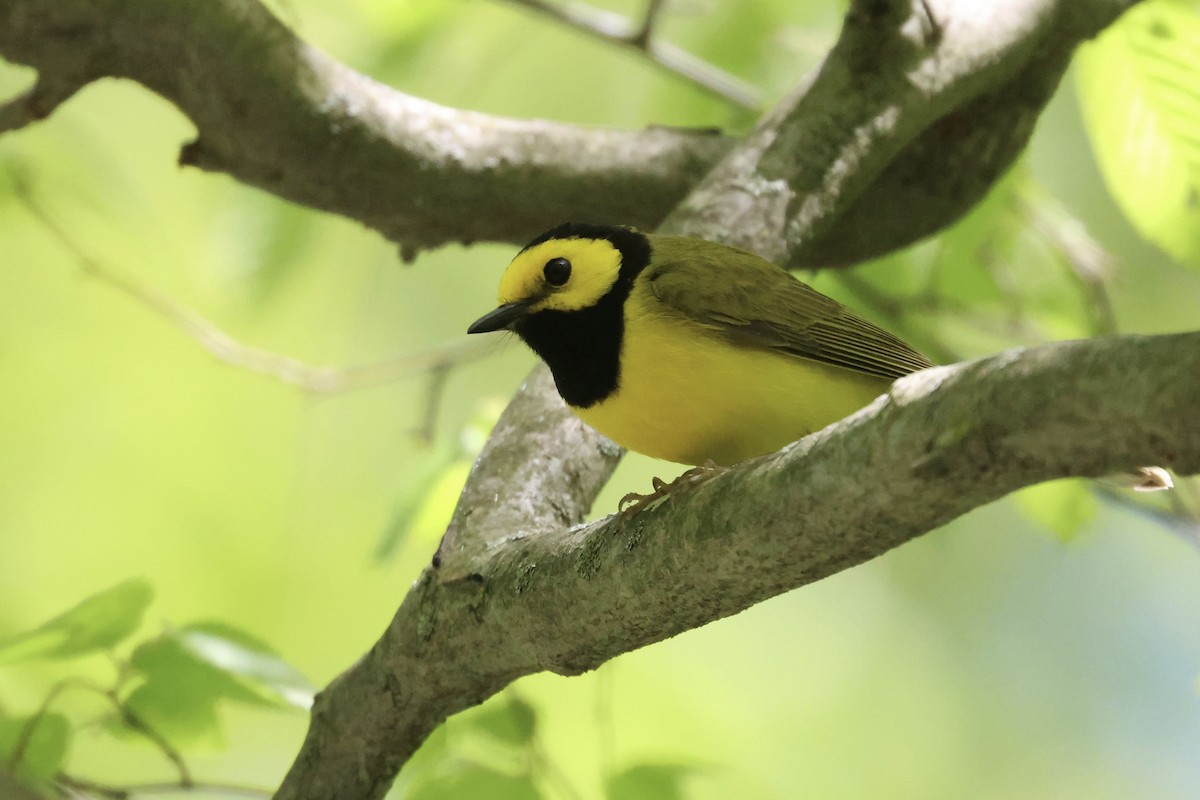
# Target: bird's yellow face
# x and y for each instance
(564, 295)
(561, 275)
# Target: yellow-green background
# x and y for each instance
(986, 660)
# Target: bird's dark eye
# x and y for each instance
(557, 271)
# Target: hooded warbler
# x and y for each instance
(688, 350)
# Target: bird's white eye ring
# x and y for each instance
(557, 271)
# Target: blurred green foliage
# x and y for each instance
(97, 624)
(1141, 99)
(166, 693)
(987, 660)
(34, 747)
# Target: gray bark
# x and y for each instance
(904, 128)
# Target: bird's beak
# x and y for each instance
(502, 317)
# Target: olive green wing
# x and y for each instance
(753, 303)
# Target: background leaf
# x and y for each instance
(474, 781)
(1139, 86)
(1062, 506)
(44, 751)
(416, 492)
(98, 623)
(185, 673)
(648, 782)
(254, 663)
(511, 720)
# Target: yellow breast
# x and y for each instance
(686, 395)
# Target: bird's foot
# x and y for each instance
(664, 491)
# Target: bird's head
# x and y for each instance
(569, 268)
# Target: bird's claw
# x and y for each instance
(664, 491)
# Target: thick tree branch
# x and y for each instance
(905, 112)
(904, 128)
(946, 441)
(275, 112)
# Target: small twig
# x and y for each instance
(312, 379)
(134, 722)
(1001, 272)
(438, 375)
(540, 761)
(895, 311)
(144, 789)
(1189, 488)
(1185, 502)
(641, 39)
(932, 28)
(620, 30)
(28, 729)
(889, 305)
(604, 720)
(1178, 519)
(139, 725)
(1090, 263)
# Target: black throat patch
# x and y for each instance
(583, 347)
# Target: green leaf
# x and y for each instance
(1062, 506)
(186, 672)
(179, 695)
(431, 518)
(44, 750)
(473, 781)
(988, 234)
(417, 485)
(432, 486)
(10, 789)
(255, 664)
(1139, 87)
(430, 759)
(508, 718)
(648, 782)
(98, 623)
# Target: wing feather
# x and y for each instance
(753, 303)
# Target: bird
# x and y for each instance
(689, 350)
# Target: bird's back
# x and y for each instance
(705, 369)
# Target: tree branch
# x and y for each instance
(619, 30)
(902, 115)
(946, 441)
(309, 378)
(276, 113)
(901, 131)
